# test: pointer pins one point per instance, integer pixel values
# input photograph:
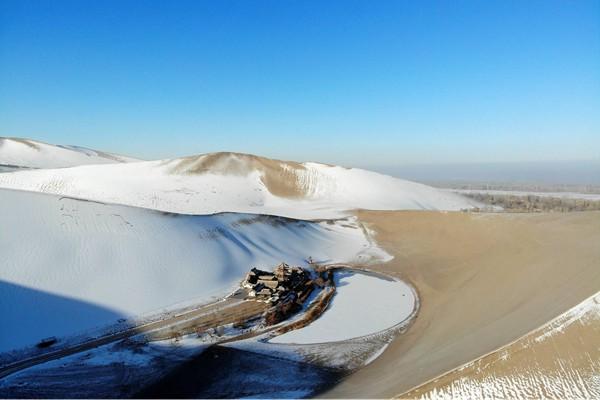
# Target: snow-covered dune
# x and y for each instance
(69, 265)
(18, 153)
(233, 182)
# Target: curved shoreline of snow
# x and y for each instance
(364, 304)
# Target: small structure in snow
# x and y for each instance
(286, 288)
(47, 342)
(278, 285)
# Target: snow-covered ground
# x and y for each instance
(238, 183)
(69, 265)
(110, 371)
(363, 304)
(25, 153)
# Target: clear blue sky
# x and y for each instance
(356, 83)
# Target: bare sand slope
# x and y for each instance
(484, 281)
(282, 178)
(560, 360)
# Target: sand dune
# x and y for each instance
(238, 183)
(560, 360)
(484, 281)
(16, 153)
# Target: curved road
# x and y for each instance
(229, 309)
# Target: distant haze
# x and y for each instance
(550, 173)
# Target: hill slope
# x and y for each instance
(560, 360)
(484, 280)
(24, 153)
(233, 182)
(70, 265)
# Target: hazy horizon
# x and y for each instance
(561, 172)
(586, 172)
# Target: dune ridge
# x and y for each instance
(233, 182)
(26, 153)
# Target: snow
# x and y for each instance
(363, 304)
(376, 354)
(325, 191)
(346, 355)
(134, 355)
(69, 265)
(115, 370)
(583, 312)
(26, 153)
(565, 377)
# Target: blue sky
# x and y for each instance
(355, 83)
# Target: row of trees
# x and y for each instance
(532, 203)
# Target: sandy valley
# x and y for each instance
(484, 280)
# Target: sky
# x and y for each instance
(345, 82)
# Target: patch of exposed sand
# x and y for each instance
(26, 142)
(484, 281)
(282, 178)
(560, 360)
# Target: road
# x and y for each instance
(215, 314)
(226, 311)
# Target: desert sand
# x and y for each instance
(484, 280)
(560, 360)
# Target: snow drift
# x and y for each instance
(18, 153)
(243, 183)
(69, 265)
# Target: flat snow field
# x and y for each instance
(363, 304)
(70, 265)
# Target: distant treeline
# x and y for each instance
(518, 187)
(532, 203)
